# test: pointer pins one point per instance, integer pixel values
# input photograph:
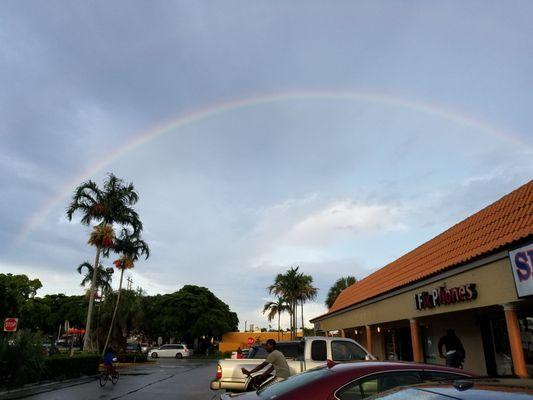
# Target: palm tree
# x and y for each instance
(307, 293)
(276, 307)
(104, 276)
(287, 286)
(337, 288)
(131, 247)
(104, 206)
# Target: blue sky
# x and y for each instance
(337, 186)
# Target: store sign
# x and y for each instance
(443, 296)
(522, 264)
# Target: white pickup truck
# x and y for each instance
(301, 355)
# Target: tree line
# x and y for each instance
(189, 314)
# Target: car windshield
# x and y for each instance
(295, 381)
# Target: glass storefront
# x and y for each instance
(398, 344)
(525, 321)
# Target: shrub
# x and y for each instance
(61, 366)
(21, 358)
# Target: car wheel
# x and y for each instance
(179, 355)
(154, 355)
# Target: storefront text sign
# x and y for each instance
(522, 263)
(443, 296)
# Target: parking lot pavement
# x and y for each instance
(164, 379)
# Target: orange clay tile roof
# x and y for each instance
(502, 223)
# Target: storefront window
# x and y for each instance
(398, 344)
(502, 351)
(430, 347)
(526, 332)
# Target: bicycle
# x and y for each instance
(110, 373)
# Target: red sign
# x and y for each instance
(251, 341)
(76, 331)
(443, 296)
(10, 324)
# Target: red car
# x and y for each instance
(352, 381)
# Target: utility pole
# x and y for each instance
(130, 282)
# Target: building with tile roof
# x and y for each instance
(476, 278)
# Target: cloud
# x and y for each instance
(344, 220)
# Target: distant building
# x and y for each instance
(476, 278)
(233, 340)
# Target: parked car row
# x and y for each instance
(354, 380)
(341, 369)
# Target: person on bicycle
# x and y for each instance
(277, 363)
(108, 360)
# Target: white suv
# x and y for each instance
(170, 350)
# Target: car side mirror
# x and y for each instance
(370, 357)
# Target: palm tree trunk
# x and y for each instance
(292, 319)
(279, 317)
(87, 338)
(114, 312)
(302, 304)
(295, 318)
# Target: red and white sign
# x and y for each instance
(10, 324)
(250, 341)
(522, 264)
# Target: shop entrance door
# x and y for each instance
(496, 345)
(398, 344)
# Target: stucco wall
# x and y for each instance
(495, 285)
(233, 340)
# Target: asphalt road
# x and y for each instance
(162, 380)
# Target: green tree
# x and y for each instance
(191, 312)
(34, 315)
(104, 276)
(131, 247)
(111, 204)
(15, 291)
(64, 308)
(339, 285)
(288, 287)
(274, 308)
(307, 293)
(129, 318)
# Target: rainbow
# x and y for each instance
(234, 105)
